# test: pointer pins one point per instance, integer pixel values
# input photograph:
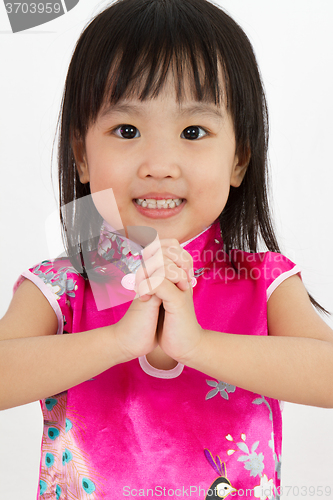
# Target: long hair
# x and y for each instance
(127, 50)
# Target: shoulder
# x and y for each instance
(290, 313)
(59, 282)
(270, 268)
(57, 276)
(40, 304)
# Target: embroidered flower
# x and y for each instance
(265, 489)
(104, 244)
(254, 462)
(219, 387)
(58, 282)
(124, 254)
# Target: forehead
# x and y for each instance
(136, 108)
(177, 91)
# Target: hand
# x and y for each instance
(136, 331)
(166, 274)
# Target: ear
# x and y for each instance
(241, 162)
(80, 159)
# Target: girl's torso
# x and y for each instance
(137, 430)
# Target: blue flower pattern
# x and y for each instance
(58, 281)
(254, 462)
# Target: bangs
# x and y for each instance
(196, 73)
(137, 46)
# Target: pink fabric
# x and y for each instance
(138, 431)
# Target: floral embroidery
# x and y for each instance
(58, 282)
(219, 387)
(261, 400)
(265, 489)
(254, 462)
(115, 249)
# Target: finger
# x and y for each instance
(151, 249)
(171, 248)
(154, 264)
(168, 270)
(173, 274)
(176, 274)
(182, 259)
(167, 292)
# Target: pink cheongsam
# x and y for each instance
(135, 430)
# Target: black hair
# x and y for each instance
(128, 49)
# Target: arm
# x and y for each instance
(293, 363)
(35, 363)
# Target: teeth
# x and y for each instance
(151, 203)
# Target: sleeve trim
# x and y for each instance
(48, 294)
(295, 270)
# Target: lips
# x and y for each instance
(163, 213)
(158, 196)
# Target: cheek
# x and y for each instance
(101, 172)
(98, 161)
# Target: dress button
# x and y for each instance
(128, 281)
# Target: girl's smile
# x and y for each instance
(160, 150)
(150, 207)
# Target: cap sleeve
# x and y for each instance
(57, 280)
(277, 269)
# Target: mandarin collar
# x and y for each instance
(203, 247)
(114, 247)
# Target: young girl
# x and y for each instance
(175, 392)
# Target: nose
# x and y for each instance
(159, 159)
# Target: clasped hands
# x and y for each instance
(167, 273)
(163, 279)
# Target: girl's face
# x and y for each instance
(160, 148)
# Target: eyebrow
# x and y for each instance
(194, 109)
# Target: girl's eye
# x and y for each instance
(193, 132)
(127, 131)
(130, 132)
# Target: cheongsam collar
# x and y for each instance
(116, 248)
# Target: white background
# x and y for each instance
(293, 41)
